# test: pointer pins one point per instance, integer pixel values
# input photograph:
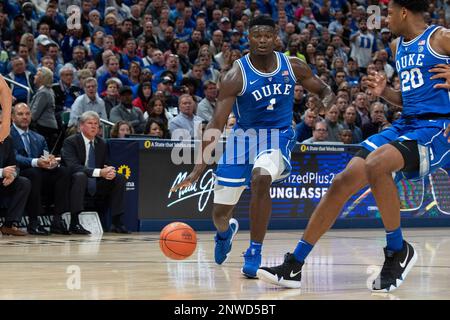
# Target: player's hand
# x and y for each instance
(189, 180)
(447, 131)
(442, 72)
(376, 83)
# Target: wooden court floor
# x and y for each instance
(341, 266)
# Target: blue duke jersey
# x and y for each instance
(413, 61)
(266, 99)
(426, 110)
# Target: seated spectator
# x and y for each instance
(92, 67)
(165, 86)
(299, 102)
(14, 187)
(156, 109)
(90, 101)
(22, 76)
(350, 123)
(43, 107)
(127, 112)
(112, 97)
(103, 69)
(86, 155)
(186, 119)
(377, 120)
(304, 128)
(320, 133)
(206, 106)
(155, 128)
(41, 168)
(144, 96)
(346, 136)
(112, 64)
(121, 128)
(333, 126)
(134, 72)
(65, 93)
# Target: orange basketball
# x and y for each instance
(177, 240)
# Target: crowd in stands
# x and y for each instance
(153, 66)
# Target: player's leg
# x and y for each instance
(260, 211)
(400, 256)
(344, 185)
(225, 199)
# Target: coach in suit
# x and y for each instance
(44, 172)
(15, 188)
(87, 156)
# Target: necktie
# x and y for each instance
(26, 141)
(92, 183)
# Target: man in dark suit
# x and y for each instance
(87, 156)
(42, 169)
(13, 189)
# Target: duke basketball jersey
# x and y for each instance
(414, 59)
(266, 99)
(426, 110)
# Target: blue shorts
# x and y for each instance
(243, 149)
(433, 147)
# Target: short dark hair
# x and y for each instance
(414, 5)
(262, 20)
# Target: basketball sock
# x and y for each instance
(256, 246)
(394, 240)
(225, 235)
(302, 250)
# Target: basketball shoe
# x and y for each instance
(395, 268)
(252, 261)
(288, 274)
(223, 246)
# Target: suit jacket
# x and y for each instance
(74, 154)
(7, 157)
(37, 146)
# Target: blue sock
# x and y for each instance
(255, 245)
(394, 240)
(225, 235)
(302, 250)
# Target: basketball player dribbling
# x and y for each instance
(6, 103)
(413, 147)
(259, 89)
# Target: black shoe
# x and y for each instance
(288, 274)
(395, 268)
(119, 229)
(38, 231)
(78, 229)
(59, 228)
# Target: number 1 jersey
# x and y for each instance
(266, 99)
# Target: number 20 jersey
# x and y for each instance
(414, 59)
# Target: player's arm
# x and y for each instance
(311, 82)
(6, 103)
(441, 44)
(377, 84)
(229, 87)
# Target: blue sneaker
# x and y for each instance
(223, 247)
(252, 261)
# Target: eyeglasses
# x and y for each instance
(321, 130)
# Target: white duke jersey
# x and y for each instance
(266, 99)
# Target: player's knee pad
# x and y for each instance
(227, 195)
(272, 162)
